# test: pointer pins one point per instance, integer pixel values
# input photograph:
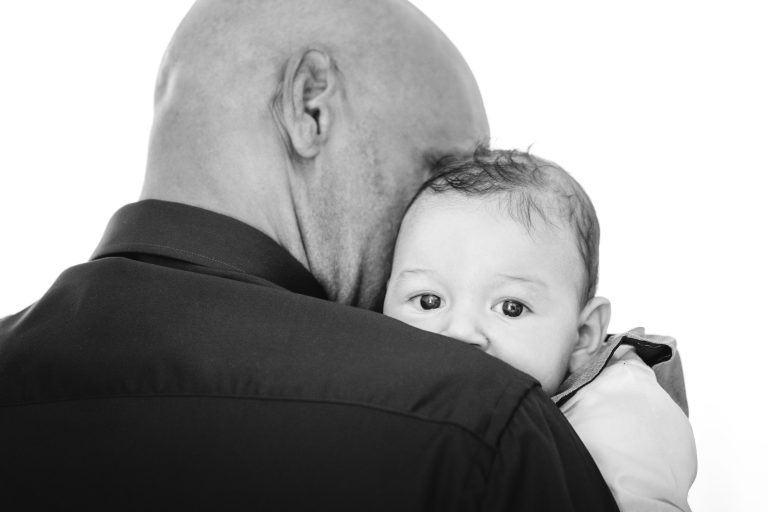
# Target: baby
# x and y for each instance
(500, 251)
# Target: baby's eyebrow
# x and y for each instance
(405, 273)
(530, 280)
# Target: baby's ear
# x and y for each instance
(593, 325)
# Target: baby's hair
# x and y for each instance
(534, 188)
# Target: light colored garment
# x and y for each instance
(639, 437)
(658, 352)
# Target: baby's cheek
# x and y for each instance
(526, 365)
(423, 322)
(400, 312)
(529, 348)
(512, 341)
(390, 306)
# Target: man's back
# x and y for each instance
(199, 371)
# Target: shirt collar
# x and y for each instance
(202, 237)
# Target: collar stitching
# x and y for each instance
(113, 247)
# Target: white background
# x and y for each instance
(659, 108)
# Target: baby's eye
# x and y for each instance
(512, 308)
(429, 301)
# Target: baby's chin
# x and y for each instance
(552, 385)
(549, 390)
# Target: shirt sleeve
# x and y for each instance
(542, 465)
(640, 439)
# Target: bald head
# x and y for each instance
(313, 121)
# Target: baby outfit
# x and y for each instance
(628, 407)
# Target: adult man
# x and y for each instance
(195, 361)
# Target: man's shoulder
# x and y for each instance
(365, 359)
(127, 364)
(116, 328)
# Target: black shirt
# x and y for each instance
(193, 363)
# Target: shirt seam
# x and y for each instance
(497, 451)
(113, 248)
(411, 415)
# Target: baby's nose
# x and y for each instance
(468, 332)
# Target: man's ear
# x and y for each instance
(309, 86)
(593, 325)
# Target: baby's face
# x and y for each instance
(465, 269)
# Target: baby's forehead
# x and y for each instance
(500, 216)
(511, 208)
